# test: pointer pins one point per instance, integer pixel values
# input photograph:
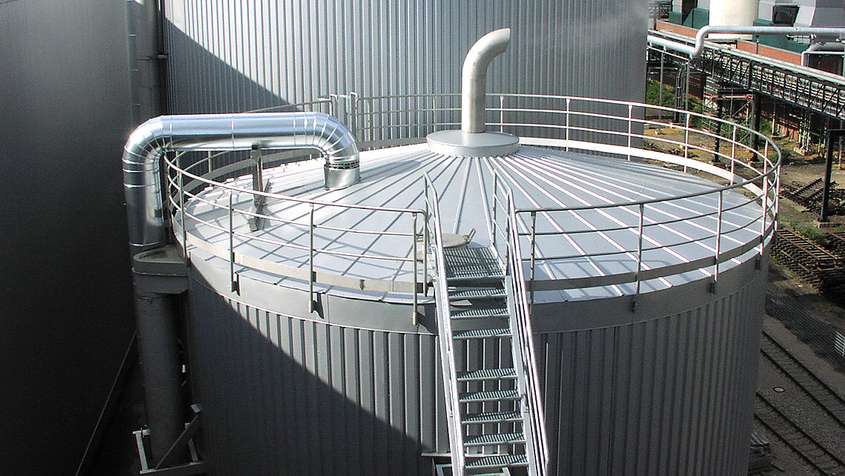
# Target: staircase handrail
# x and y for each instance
(444, 330)
(524, 354)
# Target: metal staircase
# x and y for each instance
(493, 407)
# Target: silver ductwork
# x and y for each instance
(474, 78)
(217, 132)
(705, 32)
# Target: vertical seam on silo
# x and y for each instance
(715, 373)
(726, 370)
(588, 403)
(614, 387)
(701, 322)
(572, 384)
(673, 371)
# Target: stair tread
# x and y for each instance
(481, 333)
(491, 439)
(465, 262)
(474, 281)
(489, 395)
(492, 417)
(459, 294)
(495, 461)
(487, 374)
(480, 311)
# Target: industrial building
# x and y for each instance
(400, 237)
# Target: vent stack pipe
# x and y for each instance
(474, 78)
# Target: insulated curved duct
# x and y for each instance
(217, 132)
(706, 31)
(474, 78)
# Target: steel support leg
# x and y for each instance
(833, 135)
(717, 147)
(755, 118)
(660, 85)
(156, 316)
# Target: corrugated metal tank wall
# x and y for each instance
(665, 396)
(665, 391)
(236, 56)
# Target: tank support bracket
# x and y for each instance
(160, 270)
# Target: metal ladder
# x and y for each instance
(492, 428)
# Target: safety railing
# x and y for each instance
(188, 176)
(607, 127)
(524, 354)
(444, 329)
(758, 185)
(622, 129)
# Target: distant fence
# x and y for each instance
(825, 339)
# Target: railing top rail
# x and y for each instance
(642, 202)
(323, 203)
(584, 99)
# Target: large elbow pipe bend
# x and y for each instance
(474, 78)
(223, 132)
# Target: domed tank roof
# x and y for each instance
(593, 188)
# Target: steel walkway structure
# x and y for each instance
(814, 90)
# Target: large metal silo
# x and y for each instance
(489, 281)
(646, 355)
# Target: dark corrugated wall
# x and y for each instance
(281, 395)
(227, 55)
(65, 316)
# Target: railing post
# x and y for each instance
(425, 248)
(495, 207)
(686, 139)
(508, 226)
(233, 283)
(501, 114)
(533, 242)
(370, 114)
(630, 127)
(433, 115)
(332, 102)
(182, 213)
(718, 240)
(416, 271)
(353, 113)
(311, 260)
(765, 206)
(568, 103)
(733, 154)
(777, 199)
(639, 254)
(208, 160)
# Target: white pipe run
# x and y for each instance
(474, 78)
(822, 48)
(703, 33)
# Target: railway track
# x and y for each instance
(818, 391)
(796, 439)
